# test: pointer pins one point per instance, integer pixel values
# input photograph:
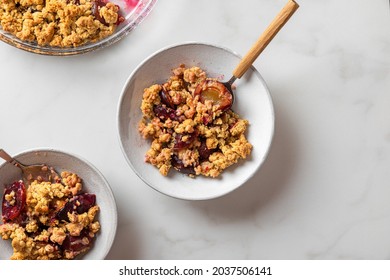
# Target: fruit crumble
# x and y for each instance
(59, 23)
(191, 125)
(46, 220)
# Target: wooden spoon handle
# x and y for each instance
(4, 155)
(267, 36)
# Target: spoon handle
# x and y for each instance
(4, 155)
(267, 36)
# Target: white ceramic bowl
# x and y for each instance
(252, 102)
(93, 182)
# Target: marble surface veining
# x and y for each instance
(324, 190)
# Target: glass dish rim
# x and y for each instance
(138, 15)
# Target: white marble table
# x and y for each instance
(324, 191)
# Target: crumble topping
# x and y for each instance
(59, 23)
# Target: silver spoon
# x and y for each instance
(39, 172)
(222, 92)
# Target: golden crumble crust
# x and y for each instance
(59, 23)
(45, 229)
(172, 111)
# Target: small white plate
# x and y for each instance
(253, 102)
(93, 182)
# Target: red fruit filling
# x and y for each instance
(14, 201)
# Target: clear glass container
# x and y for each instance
(132, 11)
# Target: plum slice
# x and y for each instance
(184, 141)
(163, 112)
(79, 204)
(204, 152)
(166, 98)
(12, 208)
(78, 244)
(179, 166)
(96, 5)
(216, 92)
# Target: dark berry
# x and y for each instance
(183, 141)
(179, 166)
(12, 209)
(205, 152)
(166, 98)
(78, 204)
(96, 5)
(77, 244)
(163, 112)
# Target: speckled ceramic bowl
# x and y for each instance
(252, 102)
(93, 182)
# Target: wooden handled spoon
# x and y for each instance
(221, 93)
(39, 172)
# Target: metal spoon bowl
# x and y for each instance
(246, 62)
(39, 172)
